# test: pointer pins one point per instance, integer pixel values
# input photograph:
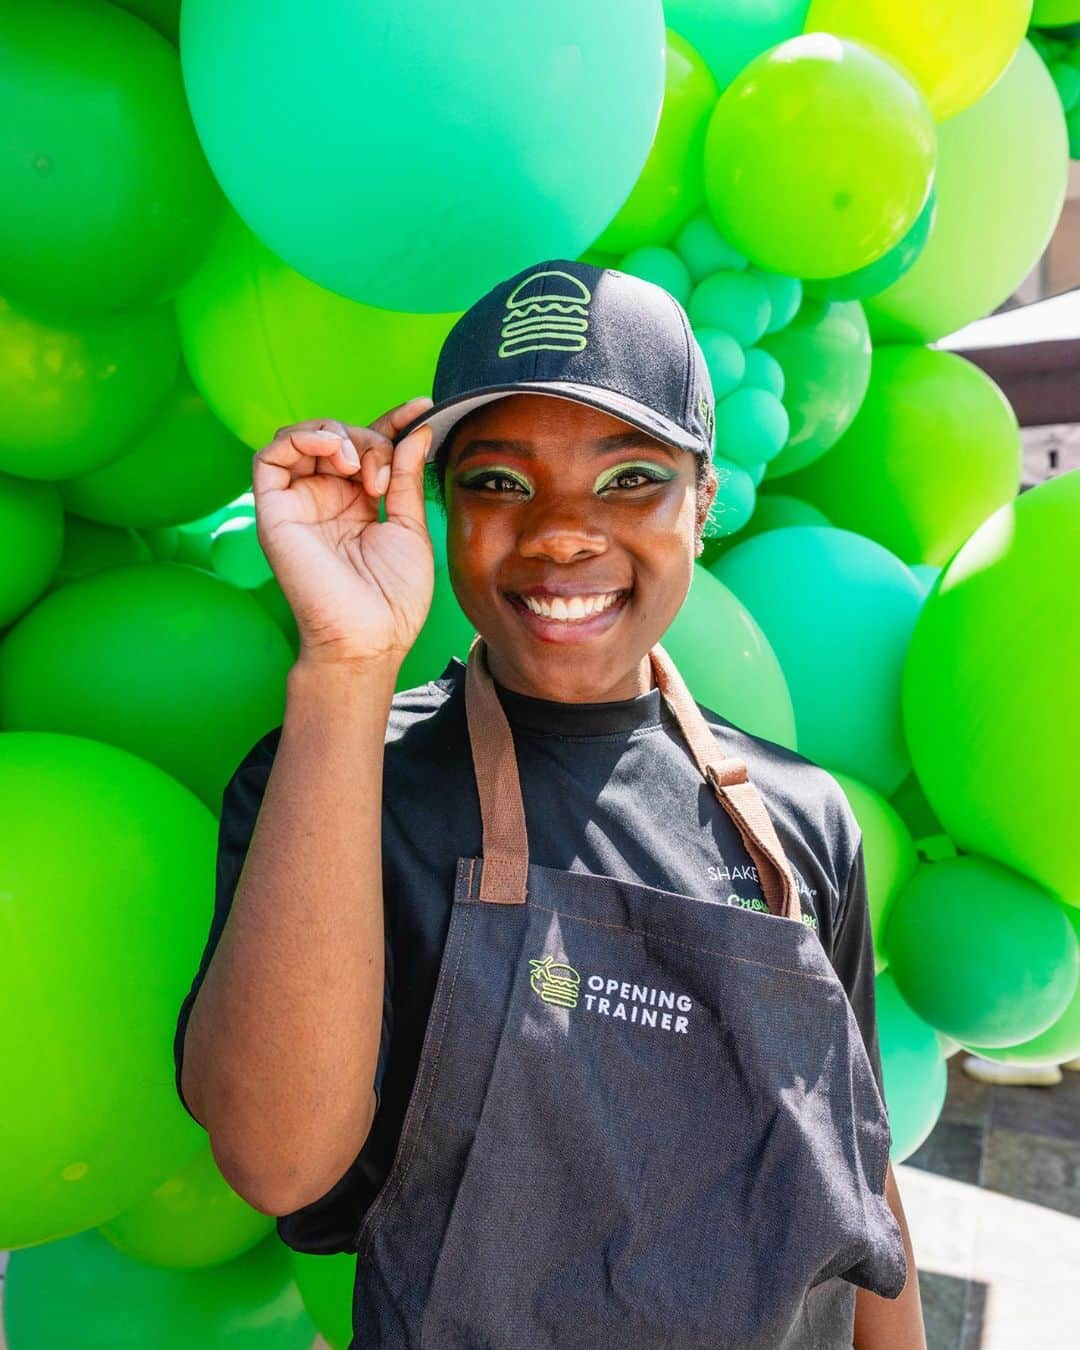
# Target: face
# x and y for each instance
(570, 541)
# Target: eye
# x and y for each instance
(497, 482)
(626, 477)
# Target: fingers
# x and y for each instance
(405, 491)
(391, 422)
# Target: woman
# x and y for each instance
(515, 987)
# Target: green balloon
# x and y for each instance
(192, 1219)
(763, 371)
(436, 524)
(731, 34)
(1052, 13)
(326, 1286)
(772, 511)
(1010, 146)
(105, 194)
(733, 504)
(926, 574)
(751, 426)
(785, 297)
(671, 185)
(737, 302)
(912, 1068)
(819, 157)
(876, 276)
(838, 610)
(663, 267)
(1067, 82)
(725, 359)
(934, 450)
(182, 465)
(90, 548)
(704, 249)
(76, 392)
(727, 662)
(164, 15)
(31, 542)
(267, 347)
(110, 1302)
(888, 852)
(528, 126)
(237, 554)
(161, 659)
(272, 598)
(993, 732)
(107, 871)
(1061, 1039)
(162, 541)
(446, 633)
(825, 354)
(981, 952)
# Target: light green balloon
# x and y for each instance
(994, 739)
(194, 1218)
(1060, 1041)
(704, 249)
(161, 659)
(825, 354)
(1009, 147)
(727, 661)
(733, 504)
(737, 302)
(934, 450)
(785, 297)
(1052, 13)
(981, 952)
(912, 1068)
(838, 610)
(31, 541)
(110, 1302)
(75, 392)
(267, 347)
(662, 266)
(731, 34)
(326, 1286)
(888, 852)
(90, 548)
(671, 185)
(106, 196)
(764, 371)
(751, 426)
(877, 276)
(107, 870)
(724, 358)
(819, 157)
(772, 511)
(182, 465)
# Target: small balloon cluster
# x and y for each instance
(190, 261)
(1059, 47)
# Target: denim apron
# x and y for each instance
(641, 1120)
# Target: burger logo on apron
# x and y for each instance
(644, 1005)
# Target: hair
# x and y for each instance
(705, 476)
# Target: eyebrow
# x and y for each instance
(620, 440)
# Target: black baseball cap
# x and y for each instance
(572, 330)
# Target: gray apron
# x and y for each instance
(641, 1120)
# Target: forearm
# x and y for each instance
(283, 1038)
(892, 1324)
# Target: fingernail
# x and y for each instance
(348, 452)
(382, 479)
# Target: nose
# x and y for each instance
(559, 533)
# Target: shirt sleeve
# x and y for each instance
(853, 960)
(239, 811)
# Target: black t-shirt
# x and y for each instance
(609, 788)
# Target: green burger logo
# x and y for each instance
(554, 982)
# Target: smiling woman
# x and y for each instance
(408, 1036)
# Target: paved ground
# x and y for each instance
(993, 1200)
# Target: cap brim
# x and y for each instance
(443, 416)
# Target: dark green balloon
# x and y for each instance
(31, 541)
(82, 1294)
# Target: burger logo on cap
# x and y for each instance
(555, 321)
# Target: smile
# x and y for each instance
(568, 609)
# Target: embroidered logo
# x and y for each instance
(708, 414)
(552, 322)
(554, 982)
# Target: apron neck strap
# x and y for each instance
(502, 812)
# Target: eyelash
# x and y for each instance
(651, 473)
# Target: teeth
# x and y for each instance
(572, 607)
